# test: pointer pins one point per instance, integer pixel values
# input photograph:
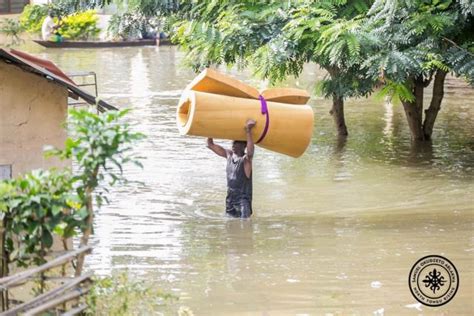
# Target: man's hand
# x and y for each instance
(216, 148)
(250, 147)
(249, 125)
(210, 142)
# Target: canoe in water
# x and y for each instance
(96, 44)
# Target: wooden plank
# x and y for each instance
(58, 301)
(48, 296)
(11, 281)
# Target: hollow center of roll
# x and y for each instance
(183, 112)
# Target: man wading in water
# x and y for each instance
(239, 173)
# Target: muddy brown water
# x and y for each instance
(334, 232)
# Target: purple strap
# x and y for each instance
(264, 110)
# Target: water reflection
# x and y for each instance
(421, 153)
(339, 156)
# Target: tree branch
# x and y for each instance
(456, 45)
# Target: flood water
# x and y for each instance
(334, 232)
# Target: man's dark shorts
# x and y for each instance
(239, 210)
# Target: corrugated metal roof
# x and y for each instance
(50, 71)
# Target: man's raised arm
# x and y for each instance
(216, 148)
(250, 148)
(250, 145)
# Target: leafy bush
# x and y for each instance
(79, 26)
(33, 208)
(130, 25)
(40, 204)
(120, 295)
(11, 29)
(32, 17)
(100, 146)
(67, 7)
(170, 24)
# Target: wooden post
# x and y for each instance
(2, 262)
(4, 265)
(87, 232)
(90, 221)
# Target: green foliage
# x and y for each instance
(398, 91)
(461, 61)
(32, 17)
(276, 38)
(132, 25)
(68, 7)
(12, 30)
(41, 204)
(228, 33)
(169, 22)
(119, 295)
(35, 207)
(100, 145)
(415, 39)
(151, 8)
(361, 44)
(75, 25)
(80, 26)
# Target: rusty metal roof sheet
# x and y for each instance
(50, 71)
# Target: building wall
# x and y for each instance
(32, 113)
(12, 6)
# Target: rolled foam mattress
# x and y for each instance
(218, 106)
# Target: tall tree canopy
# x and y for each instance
(402, 46)
(276, 38)
(418, 42)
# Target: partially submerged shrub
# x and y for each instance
(80, 26)
(12, 30)
(121, 295)
(132, 25)
(32, 17)
(34, 207)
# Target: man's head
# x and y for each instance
(51, 13)
(238, 147)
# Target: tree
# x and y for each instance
(12, 29)
(276, 38)
(140, 18)
(418, 43)
(100, 145)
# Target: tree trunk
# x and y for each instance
(87, 231)
(420, 152)
(89, 222)
(435, 105)
(414, 111)
(337, 112)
